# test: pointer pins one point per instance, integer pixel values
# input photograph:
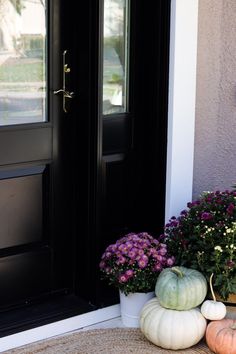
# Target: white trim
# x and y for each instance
(58, 328)
(181, 115)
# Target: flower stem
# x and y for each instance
(211, 287)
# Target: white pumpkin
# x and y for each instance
(212, 309)
(171, 329)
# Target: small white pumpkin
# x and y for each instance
(171, 329)
(212, 309)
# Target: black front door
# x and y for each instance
(83, 107)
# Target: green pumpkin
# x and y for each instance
(180, 288)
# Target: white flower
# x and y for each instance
(218, 248)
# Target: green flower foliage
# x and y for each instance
(203, 238)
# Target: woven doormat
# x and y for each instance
(103, 341)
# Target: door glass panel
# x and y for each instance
(115, 56)
(22, 61)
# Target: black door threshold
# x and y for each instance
(33, 315)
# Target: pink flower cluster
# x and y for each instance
(134, 261)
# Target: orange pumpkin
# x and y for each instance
(221, 336)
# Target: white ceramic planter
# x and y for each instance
(131, 306)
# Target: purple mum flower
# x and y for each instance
(123, 278)
(108, 270)
(102, 264)
(156, 242)
(129, 245)
(162, 251)
(143, 261)
(108, 254)
(157, 267)
(132, 253)
(158, 257)
(206, 216)
(170, 261)
(230, 209)
(184, 212)
(112, 248)
(230, 264)
(129, 273)
(140, 252)
(121, 260)
(163, 245)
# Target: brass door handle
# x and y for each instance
(65, 93)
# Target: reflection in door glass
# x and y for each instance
(115, 54)
(22, 61)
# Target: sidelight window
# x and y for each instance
(115, 56)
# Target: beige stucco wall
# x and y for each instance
(215, 130)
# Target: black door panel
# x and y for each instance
(25, 145)
(117, 134)
(25, 275)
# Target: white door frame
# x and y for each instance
(181, 115)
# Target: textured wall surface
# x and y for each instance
(215, 131)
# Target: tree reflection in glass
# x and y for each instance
(115, 54)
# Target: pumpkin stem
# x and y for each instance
(233, 326)
(211, 287)
(177, 271)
